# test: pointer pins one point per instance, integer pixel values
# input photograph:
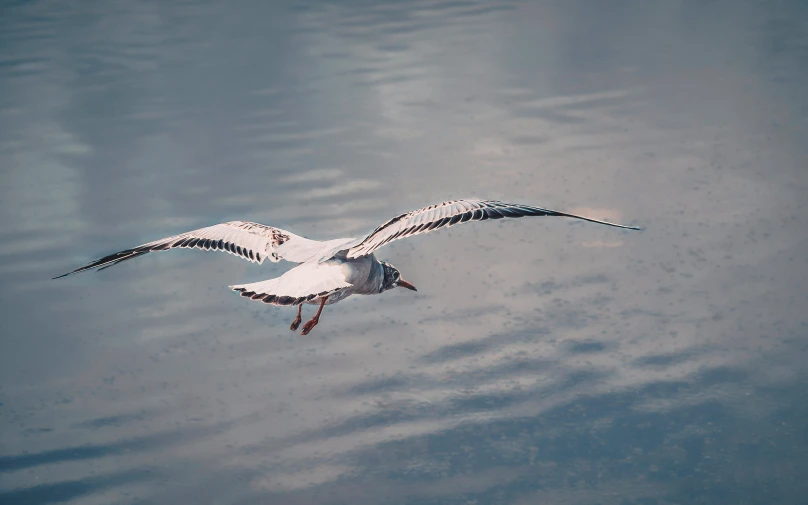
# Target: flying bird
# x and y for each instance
(327, 271)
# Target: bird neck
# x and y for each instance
(377, 276)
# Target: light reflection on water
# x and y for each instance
(540, 361)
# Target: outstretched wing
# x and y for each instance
(448, 214)
(251, 241)
(303, 283)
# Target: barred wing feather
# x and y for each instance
(252, 241)
(448, 214)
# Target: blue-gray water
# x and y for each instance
(541, 361)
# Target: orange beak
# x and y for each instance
(404, 284)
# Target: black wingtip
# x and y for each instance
(108, 261)
(597, 221)
(633, 228)
(78, 270)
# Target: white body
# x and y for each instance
(336, 278)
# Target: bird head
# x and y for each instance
(392, 279)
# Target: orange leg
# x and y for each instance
(314, 320)
(297, 320)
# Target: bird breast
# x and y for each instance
(365, 273)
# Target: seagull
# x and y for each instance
(332, 270)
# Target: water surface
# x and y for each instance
(541, 361)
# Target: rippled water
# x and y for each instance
(541, 361)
